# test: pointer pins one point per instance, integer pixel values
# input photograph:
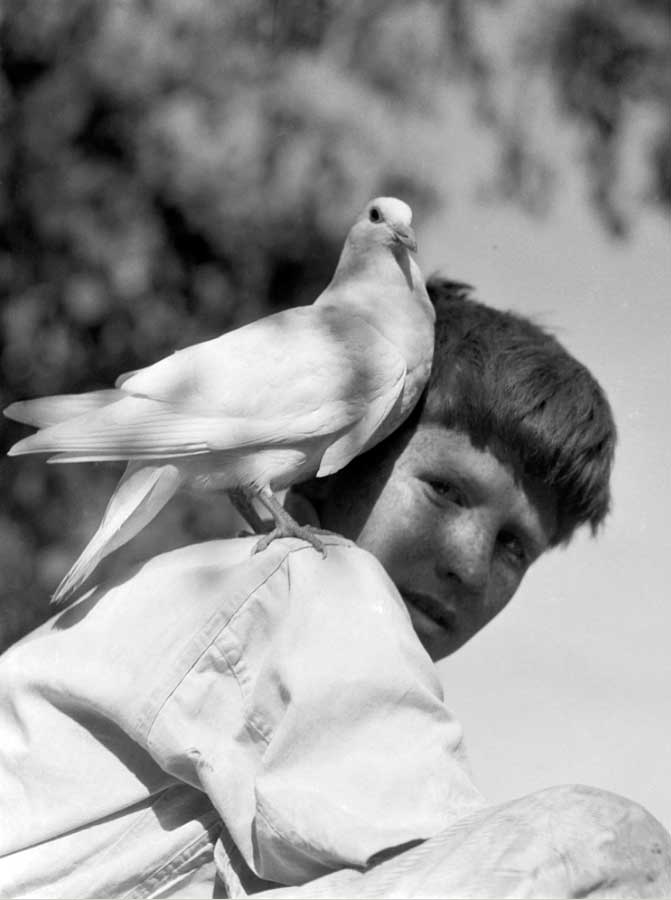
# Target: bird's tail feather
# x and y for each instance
(133, 428)
(45, 411)
(142, 492)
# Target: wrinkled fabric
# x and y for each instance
(269, 718)
(565, 841)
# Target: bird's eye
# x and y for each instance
(374, 214)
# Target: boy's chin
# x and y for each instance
(439, 638)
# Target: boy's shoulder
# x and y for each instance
(128, 645)
(188, 595)
(230, 570)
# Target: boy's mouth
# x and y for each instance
(431, 609)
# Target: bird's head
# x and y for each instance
(384, 221)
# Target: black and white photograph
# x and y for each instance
(335, 354)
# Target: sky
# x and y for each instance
(572, 683)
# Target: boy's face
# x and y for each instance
(450, 524)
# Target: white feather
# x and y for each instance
(295, 394)
(45, 411)
(142, 492)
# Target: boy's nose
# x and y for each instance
(467, 547)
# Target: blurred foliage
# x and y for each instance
(609, 58)
(170, 169)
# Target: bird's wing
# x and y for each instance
(374, 411)
(133, 427)
(44, 411)
(274, 363)
(306, 375)
(143, 491)
(308, 371)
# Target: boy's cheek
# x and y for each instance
(401, 529)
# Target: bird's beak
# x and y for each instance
(406, 236)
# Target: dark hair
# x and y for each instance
(513, 388)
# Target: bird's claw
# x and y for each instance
(304, 532)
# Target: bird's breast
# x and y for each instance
(274, 467)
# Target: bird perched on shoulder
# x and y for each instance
(293, 395)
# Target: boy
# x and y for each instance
(221, 723)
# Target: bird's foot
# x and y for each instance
(291, 528)
(286, 525)
(242, 501)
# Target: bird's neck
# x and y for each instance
(390, 295)
(383, 264)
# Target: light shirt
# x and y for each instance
(256, 718)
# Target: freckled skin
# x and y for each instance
(451, 525)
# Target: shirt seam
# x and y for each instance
(180, 858)
(214, 638)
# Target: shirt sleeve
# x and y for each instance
(339, 745)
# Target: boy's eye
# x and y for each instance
(513, 546)
(446, 491)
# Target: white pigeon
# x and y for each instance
(293, 395)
